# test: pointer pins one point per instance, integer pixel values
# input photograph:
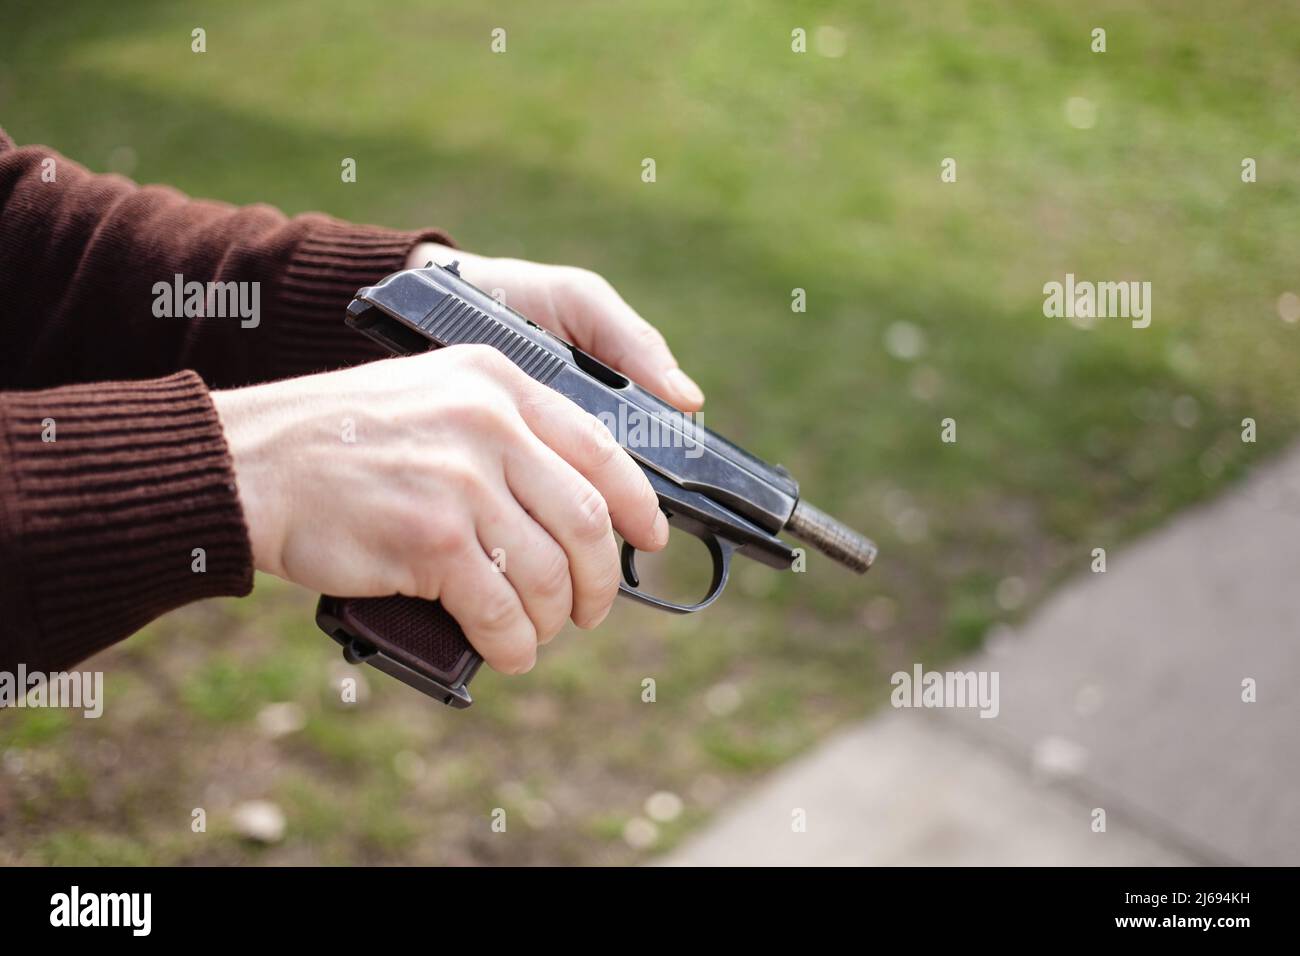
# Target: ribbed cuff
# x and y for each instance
(130, 511)
(327, 268)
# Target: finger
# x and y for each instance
(587, 445)
(572, 511)
(488, 610)
(603, 324)
(536, 566)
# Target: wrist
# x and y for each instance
(254, 475)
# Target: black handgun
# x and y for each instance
(707, 486)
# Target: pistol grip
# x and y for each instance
(416, 641)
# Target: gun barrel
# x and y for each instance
(832, 538)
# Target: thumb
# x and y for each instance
(601, 323)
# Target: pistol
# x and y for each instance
(708, 487)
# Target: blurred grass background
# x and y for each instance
(775, 171)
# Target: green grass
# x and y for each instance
(774, 171)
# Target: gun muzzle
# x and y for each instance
(832, 538)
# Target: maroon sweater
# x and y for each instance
(98, 526)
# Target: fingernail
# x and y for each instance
(685, 387)
(661, 529)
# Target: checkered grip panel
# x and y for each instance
(414, 631)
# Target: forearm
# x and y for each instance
(82, 258)
(117, 504)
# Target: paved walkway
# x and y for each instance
(1124, 692)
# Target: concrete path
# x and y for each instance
(1123, 693)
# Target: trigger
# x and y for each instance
(628, 560)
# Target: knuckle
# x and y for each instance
(497, 613)
(593, 523)
(427, 580)
(553, 575)
(485, 362)
(580, 284)
(598, 446)
(603, 589)
(488, 415)
(581, 278)
(649, 501)
(607, 583)
(552, 599)
(647, 336)
(535, 399)
(434, 533)
(418, 578)
(464, 481)
(481, 356)
(550, 625)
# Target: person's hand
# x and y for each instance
(407, 475)
(580, 307)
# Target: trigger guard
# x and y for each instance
(719, 550)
